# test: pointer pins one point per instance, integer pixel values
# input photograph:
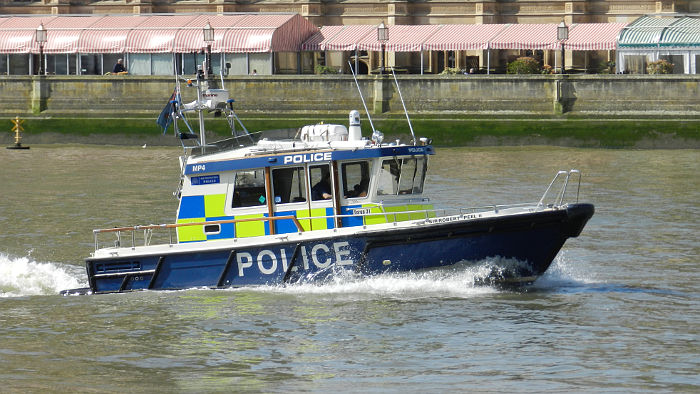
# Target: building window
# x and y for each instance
(677, 61)
(635, 64)
(3, 64)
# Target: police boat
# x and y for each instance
(265, 209)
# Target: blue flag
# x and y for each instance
(165, 117)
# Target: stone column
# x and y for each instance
(382, 94)
(40, 93)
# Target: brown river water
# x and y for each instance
(619, 310)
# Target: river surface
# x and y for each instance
(619, 310)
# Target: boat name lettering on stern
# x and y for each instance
(307, 158)
(321, 255)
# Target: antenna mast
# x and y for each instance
(361, 97)
(404, 106)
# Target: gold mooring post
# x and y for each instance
(18, 129)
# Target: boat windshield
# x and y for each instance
(401, 176)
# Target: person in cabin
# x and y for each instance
(322, 190)
(360, 190)
(119, 67)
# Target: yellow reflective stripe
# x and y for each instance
(416, 215)
(321, 223)
(398, 217)
(305, 223)
(214, 205)
(389, 216)
(191, 233)
(374, 219)
(250, 229)
(312, 224)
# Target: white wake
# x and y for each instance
(22, 276)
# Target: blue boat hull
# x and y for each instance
(534, 239)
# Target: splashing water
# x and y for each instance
(462, 280)
(564, 273)
(21, 276)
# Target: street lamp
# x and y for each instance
(562, 35)
(383, 37)
(41, 39)
(208, 38)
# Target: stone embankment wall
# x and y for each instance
(444, 96)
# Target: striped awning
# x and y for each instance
(17, 41)
(18, 34)
(593, 36)
(644, 32)
(462, 37)
(651, 32)
(247, 40)
(318, 41)
(190, 37)
(155, 33)
(683, 33)
(526, 36)
(109, 34)
(63, 34)
(414, 38)
(348, 38)
(402, 38)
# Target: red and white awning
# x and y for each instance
(280, 33)
(414, 38)
(191, 38)
(402, 38)
(109, 34)
(463, 37)
(347, 39)
(526, 36)
(246, 40)
(63, 34)
(18, 34)
(157, 34)
(593, 36)
(318, 41)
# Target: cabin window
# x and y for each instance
(388, 181)
(355, 178)
(249, 188)
(401, 176)
(288, 185)
(412, 176)
(320, 178)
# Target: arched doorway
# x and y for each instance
(362, 62)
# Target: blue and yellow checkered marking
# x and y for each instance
(209, 208)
